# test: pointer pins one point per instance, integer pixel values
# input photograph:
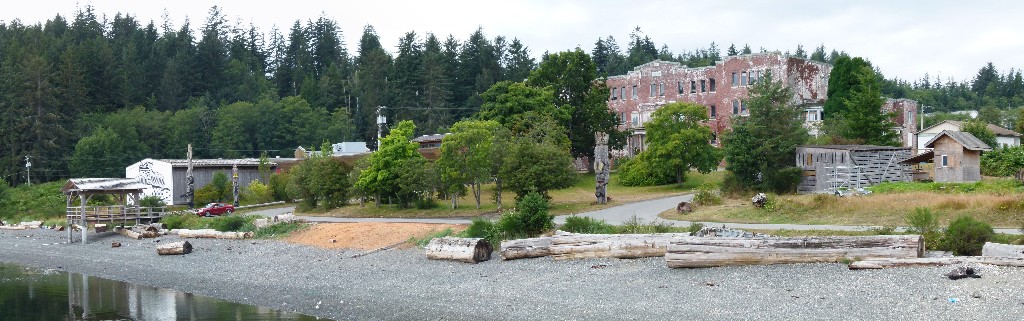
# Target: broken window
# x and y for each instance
(743, 107)
(693, 86)
(743, 79)
(735, 107)
(614, 92)
(712, 85)
(735, 80)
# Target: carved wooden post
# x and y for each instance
(234, 182)
(601, 166)
(191, 192)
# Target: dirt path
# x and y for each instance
(365, 235)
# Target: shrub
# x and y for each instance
(1003, 161)
(694, 228)
(786, 180)
(883, 230)
(530, 219)
(823, 200)
(152, 201)
(637, 226)
(707, 196)
(186, 220)
(587, 225)
(279, 186)
(485, 229)
(732, 186)
(640, 171)
(257, 193)
(426, 203)
(421, 242)
(279, 229)
(232, 223)
(926, 224)
(206, 194)
(966, 236)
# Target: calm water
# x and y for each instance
(33, 294)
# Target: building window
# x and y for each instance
(654, 90)
(703, 85)
(693, 86)
(945, 160)
(758, 77)
(743, 79)
(735, 80)
(712, 85)
(634, 92)
(735, 107)
(622, 118)
(743, 107)
(614, 92)
(662, 93)
(680, 84)
(714, 111)
(635, 119)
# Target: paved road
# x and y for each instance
(646, 211)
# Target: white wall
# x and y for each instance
(157, 175)
(1007, 141)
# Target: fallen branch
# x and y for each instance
(211, 233)
(937, 261)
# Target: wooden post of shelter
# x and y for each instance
(85, 188)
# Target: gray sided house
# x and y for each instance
(166, 177)
(828, 168)
(957, 156)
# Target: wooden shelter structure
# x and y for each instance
(833, 168)
(124, 190)
(957, 156)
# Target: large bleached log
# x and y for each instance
(525, 248)
(937, 261)
(12, 227)
(709, 252)
(128, 232)
(565, 245)
(174, 248)
(212, 234)
(1004, 250)
(469, 250)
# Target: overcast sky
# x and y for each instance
(905, 40)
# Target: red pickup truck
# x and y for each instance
(215, 209)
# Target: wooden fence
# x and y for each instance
(116, 213)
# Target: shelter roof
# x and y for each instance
(855, 147)
(215, 162)
(998, 131)
(103, 186)
(920, 158)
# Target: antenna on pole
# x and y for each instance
(381, 120)
(28, 169)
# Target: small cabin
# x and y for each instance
(957, 156)
(829, 168)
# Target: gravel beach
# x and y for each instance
(403, 285)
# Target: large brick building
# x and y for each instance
(723, 88)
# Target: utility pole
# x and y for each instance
(28, 169)
(381, 120)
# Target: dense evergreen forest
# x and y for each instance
(89, 95)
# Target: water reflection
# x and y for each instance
(31, 294)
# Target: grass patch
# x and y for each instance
(423, 241)
(574, 199)
(39, 202)
(877, 209)
(996, 185)
(279, 230)
(586, 225)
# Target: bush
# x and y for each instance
(279, 229)
(640, 171)
(279, 186)
(186, 220)
(257, 193)
(152, 201)
(732, 186)
(637, 226)
(926, 224)
(426, 203)
(707, 196)
(966, 236)
(232, 223)
(786, 180)
(587, 225)
(530, 218)
(1003, 161)
(205, 195)
(485, 229)
(694, 228)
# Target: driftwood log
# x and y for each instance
(469, 250)
(211, 234)
(1003, 250)
(937, 261)
(696, 252)
(12, 227)
(128, 232)
(100, 228)
(565, 245)
(174, 248)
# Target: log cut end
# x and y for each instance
(469, 250)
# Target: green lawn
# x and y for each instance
(575, 199)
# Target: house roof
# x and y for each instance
(102, 186)
(998, 131)
(855, 147)
(430, 138)
(215, 162)
(964, 138)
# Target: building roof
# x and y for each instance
(964, 138)
(215, 162)
(430, 138)
(998, 131)
(856, 147)
(102, 186)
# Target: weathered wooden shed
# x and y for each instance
(828, 168)
(957, 156)
(167, 177)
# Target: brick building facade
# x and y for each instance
(723, 89)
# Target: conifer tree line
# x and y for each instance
(88, 95)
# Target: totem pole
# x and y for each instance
(190, 192)
(601, 166)
(234, 182)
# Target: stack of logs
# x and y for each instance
(991, 254)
